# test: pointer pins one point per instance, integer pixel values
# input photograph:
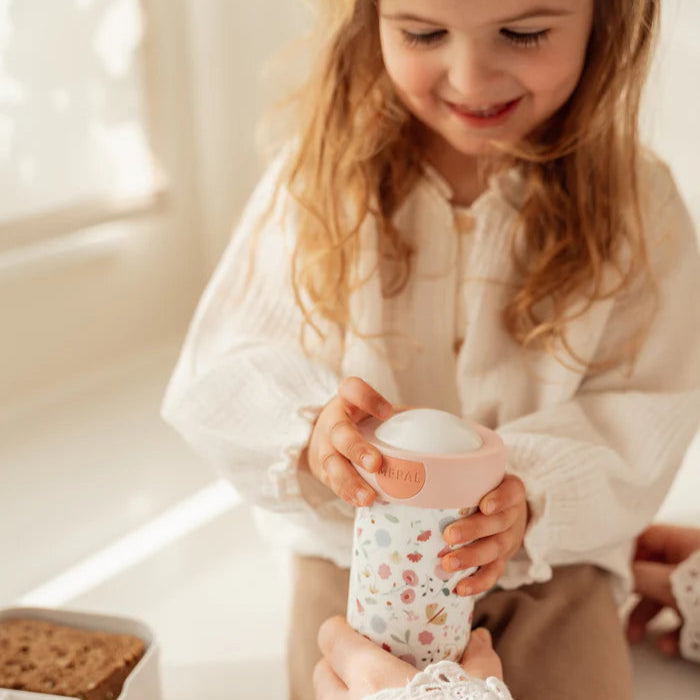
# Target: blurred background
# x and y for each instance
(127, 151)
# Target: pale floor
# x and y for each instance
(82, 469)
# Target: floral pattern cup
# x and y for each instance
(433, 464)
(400, 596)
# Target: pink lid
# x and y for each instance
(456, 480)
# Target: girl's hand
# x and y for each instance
(491, 536)
(353, 667)
(335, 441)
(660, 548)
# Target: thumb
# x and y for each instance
(480, 640)
(479, 659)
(653, 580)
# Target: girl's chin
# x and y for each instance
(476, 150)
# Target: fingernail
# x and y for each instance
(368, 460)
(465, 589)
(455, 536)
(489, 507)
(452, 564)
(385, 411)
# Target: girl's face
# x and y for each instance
(475, 70)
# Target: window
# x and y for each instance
(73, 126)
(98, 254)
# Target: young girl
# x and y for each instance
(464, 219)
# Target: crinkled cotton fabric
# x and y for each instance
(685, 584)
(446, 680)
(596, 450)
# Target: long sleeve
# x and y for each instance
(244, 394)
(597, 467)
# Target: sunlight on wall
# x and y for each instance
(72, 112)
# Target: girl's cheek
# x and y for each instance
(555, 78)
(413, 75)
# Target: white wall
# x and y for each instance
(672, 103)
(232, 43)
(87, 303)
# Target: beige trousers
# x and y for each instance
(560, 640)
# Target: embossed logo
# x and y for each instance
(400, 478)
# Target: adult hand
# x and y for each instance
(352, 667)
(490, 536)
(336, 442)
(660, 548)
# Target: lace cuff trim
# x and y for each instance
(446, 680)
(685, 584)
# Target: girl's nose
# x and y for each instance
(471, 71)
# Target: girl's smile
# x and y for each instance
(484, 117)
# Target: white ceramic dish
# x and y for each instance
(143, 683)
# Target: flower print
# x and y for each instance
(386, 647)
(425, 637)
(377, 624)
(414, 557)
(395, 557)
(425, 536)
(360, 609)
(408, 596)
(384, 571)
(359, 531)
(373, 589)
(382, 538)
(410, 577)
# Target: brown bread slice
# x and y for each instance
(43, 657)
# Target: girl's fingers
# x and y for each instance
(327, 685)
(642, 614)
(478, 553)
(482, 580)
(355, 391)
(347, 440)
(653, 580)
(509, 493)
(342, 478)
(478, 526)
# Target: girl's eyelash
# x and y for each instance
(425, 39)
(527, 39)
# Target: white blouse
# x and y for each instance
(597, 453)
